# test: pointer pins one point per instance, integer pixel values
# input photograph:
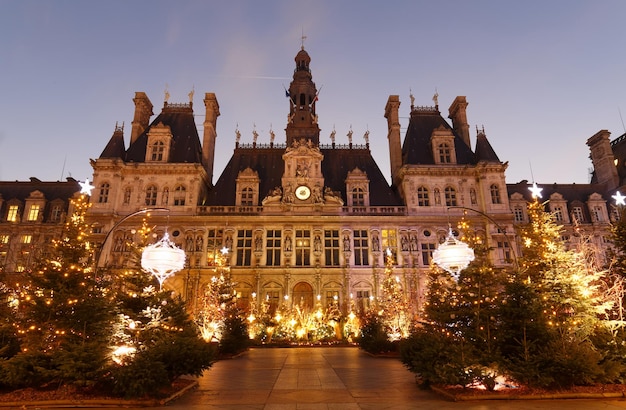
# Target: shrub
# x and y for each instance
(235, 337)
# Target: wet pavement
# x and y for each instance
(334, 378)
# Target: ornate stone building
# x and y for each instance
(305, 221)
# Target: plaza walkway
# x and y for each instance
(342, 378)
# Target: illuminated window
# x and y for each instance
(4, 239)
(445, 156)
(360, 248)
(450, 194)
(390, 241)
(273, 247)
(358, 197)
(104, 193)
(244, 247)
(33, 213)
(303, 247)
(247, 195)
(332, 297)
(12, 213)
(180, 194)
(214, 244)
(26, 239)
(494, 190)
(331, 247)
(156, 151)
(151, 195)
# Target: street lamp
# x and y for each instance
(453, 255)
(163, 259)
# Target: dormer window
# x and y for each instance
(156, 151)
(247, 196)
(444, 154)
(33, 213)
(12, 213)
(247, 188)
(358, 197)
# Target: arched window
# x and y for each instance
(358, 197)
(422, 196)
(495, 194)
(180, 194)
(450, 194)
(103, 197)
(247, 196)
(156, 151)
(445, 157)
(151, 195)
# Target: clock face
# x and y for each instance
(303, 192)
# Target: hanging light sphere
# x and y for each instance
(453, 255)
(163, 259)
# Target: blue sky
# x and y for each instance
(540, 76)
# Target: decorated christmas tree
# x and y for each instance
(65, 315)
(394, 308)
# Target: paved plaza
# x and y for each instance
(342, 378)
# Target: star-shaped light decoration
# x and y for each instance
(224, 250)
(86, 187)
(619, 198)
(535, 191)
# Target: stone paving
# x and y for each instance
(334, 378)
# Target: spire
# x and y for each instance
(115, 148)
(302, 120)
(484, 150)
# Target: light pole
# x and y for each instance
(454, 255)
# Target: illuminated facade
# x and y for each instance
(305, 221)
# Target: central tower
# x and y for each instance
(302, 120)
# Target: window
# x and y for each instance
(360, 248)
(518, 212)
(422, 196)
(156, 151)
(247, 197)
(272, 297)
(494, 190)
(103, 196)
(33, 213)
(4, 239)
(12, 213)
(358, 197)
(390, 241)
(444, 153)
(597, 214)
(272, 247)
(558, 213)
(55, 213)
(244, 247)
(151, 195)
(180, 193)
(427, 253)
(303, 247)
(331, 247)
(214, 244)
(450, 194)
(127, 195)
(504, 251)
(332, 297)
(577, 213)
(26, 239)
(363, 300)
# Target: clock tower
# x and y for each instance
(302, 119)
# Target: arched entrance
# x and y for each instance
(303, 295)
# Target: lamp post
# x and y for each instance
(454, 255)
(161, 259)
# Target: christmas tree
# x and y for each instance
(395, 315)
(65, 315)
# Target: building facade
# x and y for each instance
(307, 222)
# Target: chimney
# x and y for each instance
(458, 114)
(393, 134)
(143, 111)
(603, 159)
(210, 133)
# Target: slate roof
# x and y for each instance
(416, 148)
(51, 190)
(269, 165)
(484, 151)
(186, 146)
